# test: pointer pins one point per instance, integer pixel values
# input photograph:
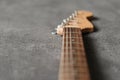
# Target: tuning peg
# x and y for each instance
(59, 26)
(70, 17)
(65, 21)
(53, 33)
(76, 12)
(73, 15)
(62, 24)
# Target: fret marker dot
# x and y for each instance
(73, 40)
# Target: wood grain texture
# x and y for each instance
(73, 63)
(79, 20)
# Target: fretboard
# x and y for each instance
(73, 63)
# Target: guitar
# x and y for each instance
(73, 63)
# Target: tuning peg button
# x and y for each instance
(53, 33)
(70, 17)
(62, 24)
(76, 12)
(59, 26)
(73, 15)
(65, 21)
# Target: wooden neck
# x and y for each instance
(73, 63)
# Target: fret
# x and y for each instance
(72, 37)
(76, 72)
(76, 51)
(78, 78)
(73, 48)
(78, 62)
(78, 46)
(76, 59)
(74, 55)
(73, 43)
(73, 64)
(72, 32)
(79, 68)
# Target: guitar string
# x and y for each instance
(68, 56)
(71, 54)
(75, 52)
(62, 58)
(67, 53)
(63, 54)
(79, 40)
(75, 70)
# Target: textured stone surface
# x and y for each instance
(28, 51)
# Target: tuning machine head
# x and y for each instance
(59, 26)
(76, 13)
(70, 17)
(65, 22)
(54, 33)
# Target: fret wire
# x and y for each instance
(72, 47)
(73, 37)
(69, 49)
(72, 32)
(69, 46)
(63, 56)
(71, 52)
(73, 42)
(71, 60)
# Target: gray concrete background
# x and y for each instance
(28, 51)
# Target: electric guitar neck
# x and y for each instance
(73, 63)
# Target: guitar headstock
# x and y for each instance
(79, 19)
